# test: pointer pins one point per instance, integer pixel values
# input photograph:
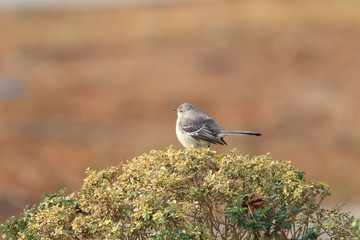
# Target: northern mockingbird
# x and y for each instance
(199, 130)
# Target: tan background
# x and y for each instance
(91, 88)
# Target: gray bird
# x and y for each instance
(194, 128)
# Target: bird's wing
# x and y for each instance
(206, 130)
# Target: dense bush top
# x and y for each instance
(189, 194)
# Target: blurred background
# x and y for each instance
(91, 85)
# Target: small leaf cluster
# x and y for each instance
(188, 194)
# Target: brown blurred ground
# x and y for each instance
(85, 89)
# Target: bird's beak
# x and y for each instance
(174, 109)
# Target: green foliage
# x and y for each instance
(356, 226)
(189, 194)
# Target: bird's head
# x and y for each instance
(184, 109)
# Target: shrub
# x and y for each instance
(190, 194)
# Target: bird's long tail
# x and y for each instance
(235, 132)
